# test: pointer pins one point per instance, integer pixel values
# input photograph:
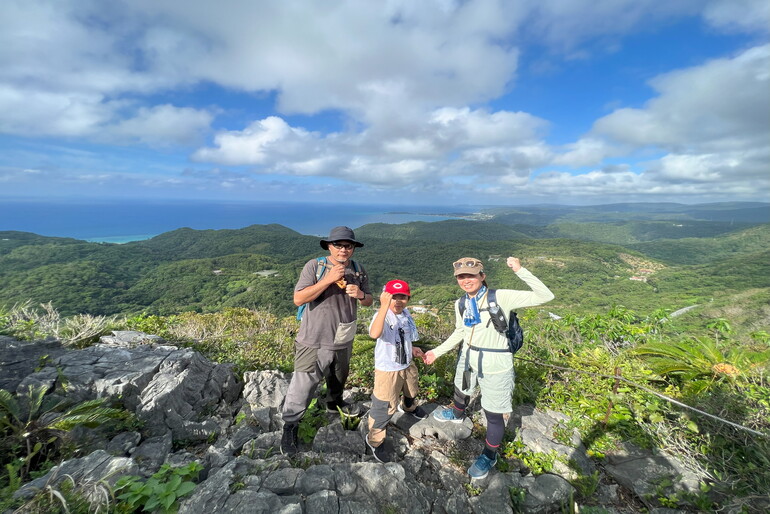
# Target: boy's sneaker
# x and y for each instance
(347, 408)
(290, 439)
(481, 467)
(448, 414)
(418, 412)
(377, 451)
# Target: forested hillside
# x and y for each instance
(257, 266)
(685, 318)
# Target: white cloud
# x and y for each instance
(449, 142)
(723, 103)
(262, 141)
(162, 125)
(739, 15)
(587, 151)
(409, 80)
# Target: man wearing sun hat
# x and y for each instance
(324, 343)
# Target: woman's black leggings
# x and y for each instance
(495, 423)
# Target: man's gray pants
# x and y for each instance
(310, 366)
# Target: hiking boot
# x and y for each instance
(481, 467)
(377, 451)
(290, 439)
(448, 414)
(350, 409)
(417, 412)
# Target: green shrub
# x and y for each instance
(160, 492)
(32, 425)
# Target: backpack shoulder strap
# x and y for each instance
(320, 268)
(491, 298)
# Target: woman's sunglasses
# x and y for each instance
(467, 264)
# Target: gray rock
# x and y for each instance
(85, 472)
(185, 387)
(456, 501)
(316, 478)
(323, 502)
(124, 443)
(345, 481)
(333, 438)
(184, 399)
(152, 452)
(216, 457)
(443, 431)
(263, 444)
(19, 359)
(248, 501)
(212, 494)
(643, 472)
(546, 493)
(130, 339)
(265, 388)
(496, 497)
(243, 434)
(281, 481)
(536, 431)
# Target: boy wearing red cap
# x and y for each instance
(394, 371)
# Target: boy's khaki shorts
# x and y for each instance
(388, 385)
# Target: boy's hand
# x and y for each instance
(514, 263)
(417, 352)
(385, 298)
(429, 357)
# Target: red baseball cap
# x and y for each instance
(398, 287)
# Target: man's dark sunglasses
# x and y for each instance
(345, 246)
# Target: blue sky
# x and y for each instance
(436, 102)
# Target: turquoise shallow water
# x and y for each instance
(124, 221)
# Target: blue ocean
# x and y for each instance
(122, 221)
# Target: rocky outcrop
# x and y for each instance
(193, 409)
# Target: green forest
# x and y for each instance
(676, 301)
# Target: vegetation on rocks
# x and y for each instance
(613, 374)
(659, 334)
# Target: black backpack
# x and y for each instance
(510, 327)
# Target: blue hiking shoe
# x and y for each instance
(481, 467)
(448, 414)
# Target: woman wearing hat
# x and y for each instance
(485, 359)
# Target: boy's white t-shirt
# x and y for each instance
(385, 350)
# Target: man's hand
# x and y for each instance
(354, 292)
(429, 357)
(514, 263)
(335, 273)
(417, 352)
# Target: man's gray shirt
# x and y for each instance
(332, 307)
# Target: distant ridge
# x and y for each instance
(441, 231)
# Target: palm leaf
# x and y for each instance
(689, 359)
(9, 405)
(92, 418)
(35, 396)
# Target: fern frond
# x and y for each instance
(9, 405)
